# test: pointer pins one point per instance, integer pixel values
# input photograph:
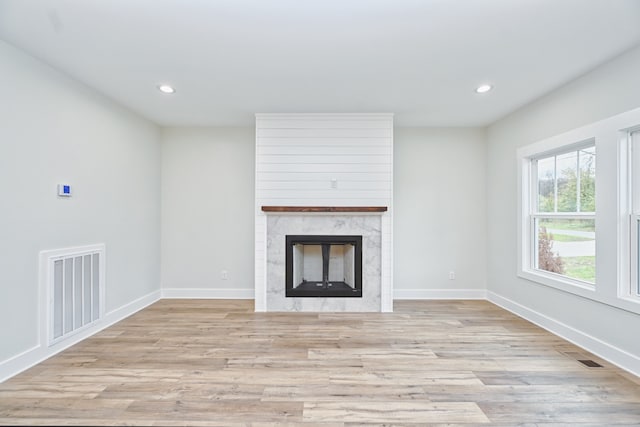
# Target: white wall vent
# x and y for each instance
(73, 281)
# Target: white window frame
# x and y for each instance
(629, 184)
(614, 228)
(529, 215)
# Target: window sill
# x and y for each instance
(628, 303)
(562, 283)
(582, 289)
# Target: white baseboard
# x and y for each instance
(608, 352)
(200, 293)
(25, 360)
(399, 294)
(134, 306)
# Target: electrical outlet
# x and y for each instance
(224, 275)
(452, 275)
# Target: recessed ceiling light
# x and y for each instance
(483, 88)
(166, 89)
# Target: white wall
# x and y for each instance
(207, 212)
(439, 224)
(440, 208)
(611, 89)
(300, 154)
(54, 130)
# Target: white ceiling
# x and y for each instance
(419, 59)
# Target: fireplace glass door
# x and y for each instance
(323, 266)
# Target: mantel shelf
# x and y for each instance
(347, 209)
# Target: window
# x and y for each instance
(562, 214)
(568, 184)
(634, 213)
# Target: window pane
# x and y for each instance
(567, 165)
(567, 247)
(587, 162)
(635, 207)
(637, 255)
(546, 184)
(635, 172)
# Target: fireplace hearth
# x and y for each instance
(323, 266)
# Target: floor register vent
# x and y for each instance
(590, 363)
(73, 288)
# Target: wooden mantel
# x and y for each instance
(324, 209)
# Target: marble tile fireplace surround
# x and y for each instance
(326, 175)
(357, 221)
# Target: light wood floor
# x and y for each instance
(213, 362)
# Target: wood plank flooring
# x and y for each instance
(216, 363)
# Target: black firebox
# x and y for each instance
(323, 266)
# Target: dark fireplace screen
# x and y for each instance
(324, 266)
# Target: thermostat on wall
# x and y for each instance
(64, 190)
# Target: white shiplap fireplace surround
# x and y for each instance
(325, 174)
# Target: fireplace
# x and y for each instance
(324, 227)
(324, 175)
(323, 266)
